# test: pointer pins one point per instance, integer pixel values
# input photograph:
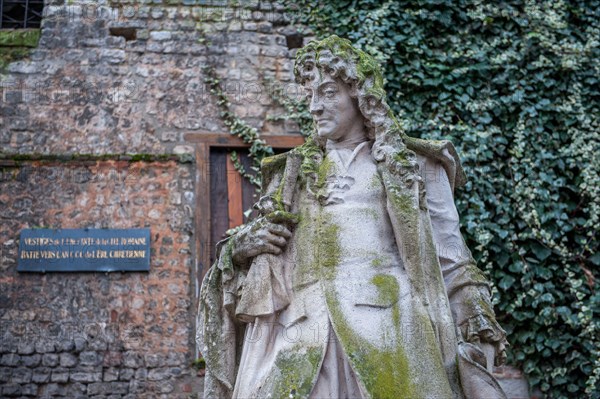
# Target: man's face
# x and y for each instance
(335, 112)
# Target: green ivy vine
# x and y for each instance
(295, 108)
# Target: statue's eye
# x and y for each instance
(330, 92)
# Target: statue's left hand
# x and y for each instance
(474, 315)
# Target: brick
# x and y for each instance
(5, 373)
(159, 374)
(80, 344)
(29, 390)
(160, 35)
(98, 388)
(133, 359)
(11, 390)
(153, 360)
(45, 347)
(52, 390)
(126, 374)
(110, 374)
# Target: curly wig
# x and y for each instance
(338, 58)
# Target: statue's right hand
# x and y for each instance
(259, 237)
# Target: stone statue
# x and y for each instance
(355, 281)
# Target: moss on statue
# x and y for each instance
(327, 244)
(377, 262)
(297, 369)
(326, 169)
(370, 212)
(384, 372)
(404, 203)
(387, 288)
(366, 66)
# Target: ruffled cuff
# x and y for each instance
(481, 326)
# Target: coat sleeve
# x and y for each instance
(467, 287)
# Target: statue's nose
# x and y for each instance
(316, 105)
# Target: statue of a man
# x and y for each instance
(355, 282)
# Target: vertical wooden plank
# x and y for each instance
(218, 198)
(202, 213)
(234, 194)
(202, 223)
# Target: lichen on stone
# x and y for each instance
(388, 288)
(384, 372)
(296, 370)
(328, 252)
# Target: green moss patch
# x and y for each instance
(19, 38)
(297, 370)
(385, 373)
(16, 44)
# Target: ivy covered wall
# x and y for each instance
(514, 85)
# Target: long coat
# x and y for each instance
(264, 331)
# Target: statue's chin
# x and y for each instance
(323, 135)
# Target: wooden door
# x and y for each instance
(231, 195)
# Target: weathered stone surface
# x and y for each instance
(89, 358)
(68, 360)
(110, 374)
(11, 390)
(106, 388)
(85, 376)
(59, 375)
(31, 361)
(153, 360)
(50, 360)
(5, 373)
(332, 271)
(44, 346)
(159, 374)
(10, 359)
(26, 348)
(29, 390)
(21, 376)
(133, 359)
(41, 375)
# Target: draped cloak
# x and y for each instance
(265, 335)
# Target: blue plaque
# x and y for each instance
(84, 250)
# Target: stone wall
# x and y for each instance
(110, 78)
(127, 77)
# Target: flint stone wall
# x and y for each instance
(128, 76)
